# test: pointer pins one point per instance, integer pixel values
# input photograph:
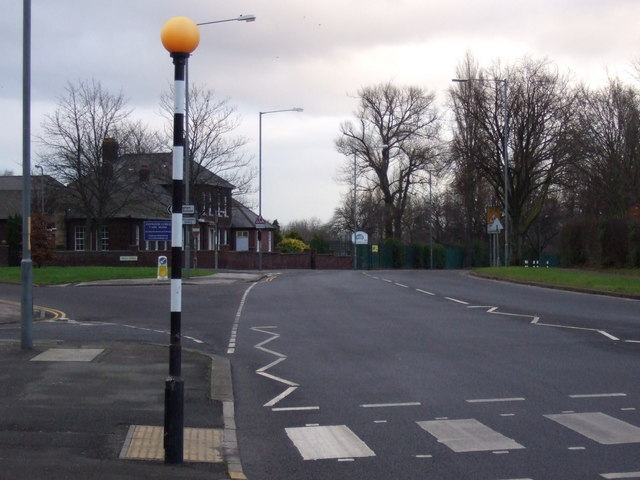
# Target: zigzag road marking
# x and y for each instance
(262, 371)
(494, 310)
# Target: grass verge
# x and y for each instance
(57, 275)
(622, 282)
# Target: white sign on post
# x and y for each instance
(360, 238)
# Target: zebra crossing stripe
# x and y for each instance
(468, 435)
(599, 427)
(328, 442)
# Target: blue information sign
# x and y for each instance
(157, 231)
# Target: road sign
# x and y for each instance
(196, 231)
(260, 222)
(188, 220)
(188, 209)
(157, 231)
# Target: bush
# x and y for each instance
(396, 251)
(613, 243)
(634, 245)
(320, 245)
(572, 245)
(292, 245)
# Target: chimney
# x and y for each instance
(109, 150)
(144, 173)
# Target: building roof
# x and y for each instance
(11, 192)
(243, 218)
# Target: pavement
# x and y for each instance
(96, 409)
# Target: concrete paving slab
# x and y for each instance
(68, 355)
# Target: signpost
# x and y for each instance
(157, 231)
(494, 228)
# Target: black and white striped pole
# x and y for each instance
(180, 36)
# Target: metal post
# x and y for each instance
(505, 152)
(355, 215)
(26, 265)
(187, 170)
(259, 185)
(430, 225)
(174, 388)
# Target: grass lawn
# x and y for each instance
(615, 281)
(55, 275)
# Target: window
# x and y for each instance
(104, 238)
(79, 234)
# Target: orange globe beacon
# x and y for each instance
(180, 35)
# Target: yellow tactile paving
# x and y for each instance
(200, 444)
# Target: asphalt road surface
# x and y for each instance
(434, 375)
(398, 374)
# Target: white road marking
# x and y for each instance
(608, 335)
(401, 285)
(294, 409)
(497, 400)
(236, 322)
(424, 456)
(576, 448)
(278, 379)
(329, 442)
(384, 405)
(628, 409)
(599, 427)
(613, 476)
(276, 399)
(457, 301)
(468, 435)
(598, 395)
(425, 292)
(507, 414)
(379, 421)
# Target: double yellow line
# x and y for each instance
(55, 314)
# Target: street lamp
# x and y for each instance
(187, 160)
(295, 109)
(505, 152)
(180, 36)
(430, 225)
(26, 264)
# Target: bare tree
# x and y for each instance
(72, 149)
(212, 144)
(541, 106)
(606, 178)
(395, 140)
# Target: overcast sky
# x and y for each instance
(314, 55)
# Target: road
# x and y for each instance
(397, 374)
(434, 375)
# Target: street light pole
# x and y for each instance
(430, 225)
(187, 159)
(180, 36)
(295, 109)
(505, 152)
(355, 211)
(26, 265)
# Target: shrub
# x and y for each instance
(292, 245)
(613, 246)
(572, 245)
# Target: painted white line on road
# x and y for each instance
(457, 301)
(424, 456)
(330, 442)
(599, 427)
(276, 399)
(294, 409)
(507, 414)
(346, 459)
(597, 395)
(608, 335)
(576, 448)
(387, 280)
(278, 379)
(272, 364)
(425, 292)
(628, 409)
(236, 322)
(400, 285)
(494, 400)
(385, 405)
(379, 421)
(468, 435)
(613, 476)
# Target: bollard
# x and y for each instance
(162, 268)
(526, 263)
